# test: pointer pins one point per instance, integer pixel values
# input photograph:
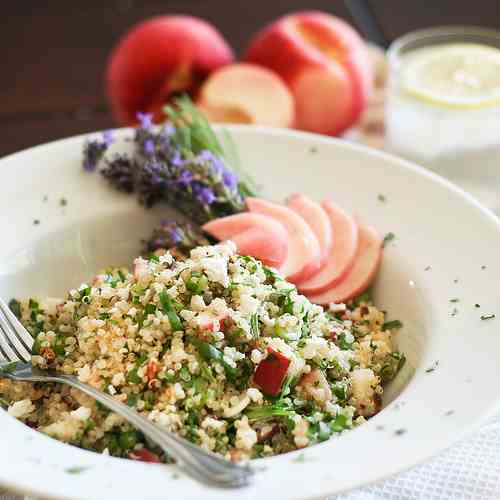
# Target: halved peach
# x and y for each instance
(253, 234)
(247, 93)
(304, 252)
(325, 63)
(341, 257)
(362, 273)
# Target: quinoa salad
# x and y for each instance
(212, 345)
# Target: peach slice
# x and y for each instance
(341, 257)
(304, 253)
(362, 273)
(253, 234)
(317, 218)
(247, 93)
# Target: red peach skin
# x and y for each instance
(362, 273)
(253, 234)
(303, 259)
(341, 257)
(325, 63)
(247, 93)
(158, 58)
(317, 219)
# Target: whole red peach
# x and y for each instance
(324, 62)
(159, 58)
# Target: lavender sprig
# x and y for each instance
(181, 163)
(94, 150)
(172, 234)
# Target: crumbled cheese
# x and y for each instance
(81, 413)
(21, 409)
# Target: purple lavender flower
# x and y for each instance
(203, 194)
(185, 178)
(108, 137)
(149, 146)
(182, 236)
(120, 172)
(229, 179)
(145, 120)
(93, 151)
(176, 160)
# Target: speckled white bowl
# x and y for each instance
(446, 247)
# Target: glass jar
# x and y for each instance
(443, 106)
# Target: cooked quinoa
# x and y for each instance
(215, 347)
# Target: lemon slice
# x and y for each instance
(455, 75)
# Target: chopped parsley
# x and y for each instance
(381, 198)
(454, 300)
(392, 325)
(76, 469)
(387, 239)
(485, 317)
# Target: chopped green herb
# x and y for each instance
(154, 258)
(454, 311)
(433, 367)
(477, 305)
(254, 326)
(168, 309)
(8, 368)
(210, 353)
(342, 342)
(484, 317)
(150, 309)
(132, 399)
(133, 377)
(300, 458)
(387, 239)
(63, 202)
(454, 300)
(265, 412)
(15, 307)
(76, 469)
(313, 149)
(392, 325)
(339, 424)
(381, 198)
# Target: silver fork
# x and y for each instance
(15, 363)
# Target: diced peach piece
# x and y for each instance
(325, 63)
(318, 220)
(342, 254)
(362, 273)
(254, 234)
(316, 386)
(304, 253)
(247, 93)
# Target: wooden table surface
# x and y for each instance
(55, 51)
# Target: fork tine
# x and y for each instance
(22, 334)
(12, 339)
(5, 347)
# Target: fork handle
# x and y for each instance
(196, 462)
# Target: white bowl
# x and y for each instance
(443, 240)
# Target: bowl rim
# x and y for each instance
(293, 135)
